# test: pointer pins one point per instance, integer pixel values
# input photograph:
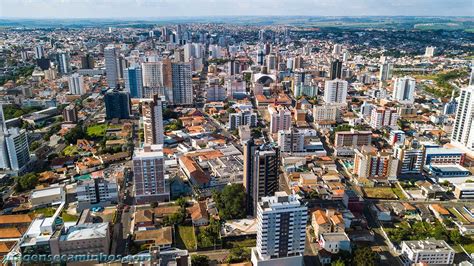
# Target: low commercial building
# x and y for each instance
(47, 196)
(464, 191)
(430, 252)
(87, 238)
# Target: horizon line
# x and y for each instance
(231, 16)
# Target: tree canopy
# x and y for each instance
(231, 202)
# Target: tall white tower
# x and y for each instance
(404, 90)
(463, 129)
(281, 231)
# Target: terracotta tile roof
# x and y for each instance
(198, 211)
(143, 216)
(320, 217)
(162, 236)
(439, 209)
(15, 219)
(337, 219)
(194, 170)
(408, 206)
(10, 232)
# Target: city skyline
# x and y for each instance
(146, 9)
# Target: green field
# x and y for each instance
(185, 238)
(96, 130)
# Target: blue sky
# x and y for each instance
(174, 8)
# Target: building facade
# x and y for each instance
(281, 231)
(463, 132)
(117, 104)
(335, 91)
(280, 118)
(152, 112)
(261, 176)
(148, 175)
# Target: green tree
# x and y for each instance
(456, 237)
(74, 134)
(238, 255)
(26, 182)
(231, 201)
(35, 145)
(338, 262)
(364, 257)
(200, 260)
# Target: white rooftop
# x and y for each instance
(86, 231)
(46, 192)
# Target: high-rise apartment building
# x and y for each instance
(404, 90)
(327, 112)
(260, 173)
(242, 118)
(76, 84)
(148, 175)
(280, 118)
(463, 128)
(97, 191)
(62, 59)
(39, 51)
(70, 114)
(281, 231)
(346, 141)
(182, 83)
(291, 140)
(15, 141)
(373, 164)
(111, 66)
(87, 61)
(335, 91)
(385, 71)
(336, 69)
(134, 81)
(152, 74)
(411, 157)
(430, 51)
(383, 117)
(152, 112)
(337, 49)
(117, 104)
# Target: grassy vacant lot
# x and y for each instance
(185, 238)
(46, 212)
(70, 150)
(458, 215)
(97, 130)
(443, 88)
(469, 247)
(69, 217)
(250, 242)
(398, 191)
(379, 193)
